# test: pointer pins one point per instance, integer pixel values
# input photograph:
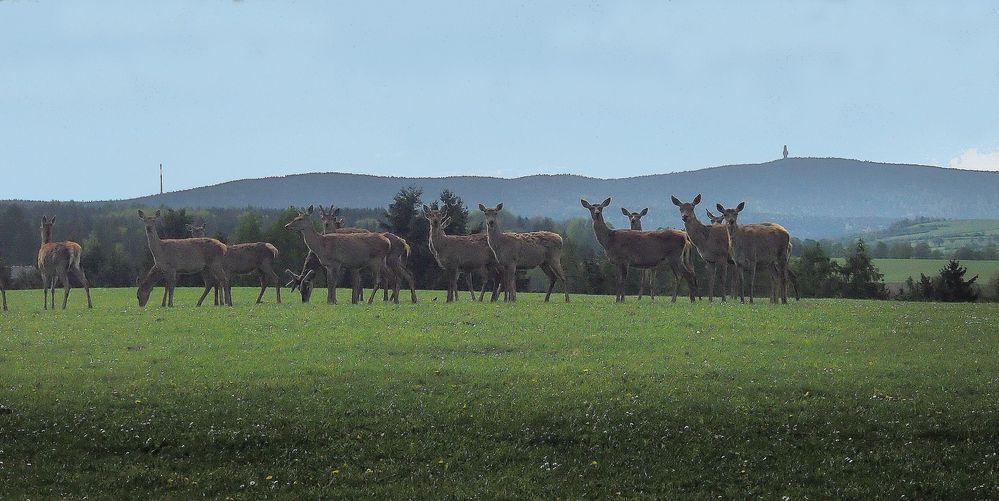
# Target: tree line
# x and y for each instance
(116, 252)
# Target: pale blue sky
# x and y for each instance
(93, 95)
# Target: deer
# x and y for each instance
(241, 259)
(791, 275)
(395, 269)
(461, 253)
(711, 241)
(343, 250)
(60, 260)
(768, 244)
(181, 256)
(648, 276)
(642, 249)
(535, 249)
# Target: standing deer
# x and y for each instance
(241, 259)
(642, 249)
(461, 253)
(711, 242)
(181, 256)
(395, 270)
(535, 249)
(768, 244)
(648, 276)
(343, 250)
(791, 275)
(60, 260)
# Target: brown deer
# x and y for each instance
(60, 260)
(535, 249)
(643, 250)
(713, 218)
(181, 256)
(765, 244)
(648, 276)
(791, 275)
(242, 259)
(343, 250)
(456, 254)
(711, 242)
(395, 270)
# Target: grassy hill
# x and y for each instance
(945, 235)
(818, 399)
(813, 197)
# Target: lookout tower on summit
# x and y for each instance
(785, 152)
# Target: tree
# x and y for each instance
(455, 208)
(861, 279)
(922, 251)
(405, 219)
(247, 228)
(175, 224)
(952, 287)
(815, 272)
(18, 237)
(880, 250)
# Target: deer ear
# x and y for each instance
(625, 212)
(720, 208)
(141, 215)
(157, 213)
(310, 210)
(335, 212)
(426, 209)
(584, 203)
(482, 207)
(52, 220)
(499, 207)
(644, 212)
(697, 199)
(676, 201)
(708, 212)
(742, 205)
(606, 202)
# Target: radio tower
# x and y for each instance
(161, 179)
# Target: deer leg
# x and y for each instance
(468, 281)
(66, 288)
(268, 271)
(794, 281)
(332, 279)
(675, 268)
(82, 278)
(208, 287)
(551, 280)
(263, 286)
(376, 270)
(54, 282)
(355, 286)
(752, 283)
(45, 291)
(3, 292)
(400, 270)
(511, 282)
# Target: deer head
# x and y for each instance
(302, 221)
(149, 221)
(714, 219)
(491, 214)
(635, 218)
(731, 216)
(687, 209)
(596, 211)
(329, 218)
(46, 228)
(437, 218)
(196, 231)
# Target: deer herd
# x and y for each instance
(495, 256)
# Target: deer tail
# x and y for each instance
(273, 250)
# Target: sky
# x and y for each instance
(95, 95)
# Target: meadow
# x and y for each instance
(816, 399)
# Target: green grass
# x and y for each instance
(818, 399)
(897, 270)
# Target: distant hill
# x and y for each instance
(813, 197)
(946, 235)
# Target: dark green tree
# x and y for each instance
(455, 208)
(816, 272)
(861, 279)
(175, 224)
(952, 287)
(247, 228)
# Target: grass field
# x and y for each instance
(947, 235)
(817, 399)
(897, 270)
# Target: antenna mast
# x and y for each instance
(161, 179)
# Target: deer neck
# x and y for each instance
(312, 240)
(601, 230)
(494, 234)
(697, 231)
(437, 237)
(46, 235)
(155, 245)
(637, 225)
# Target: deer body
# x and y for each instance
(641, 249)
(711, 241)
(241, 259)
(59, 260)
(343, 250)
(513, 251)
(460, 254)
(765, 244)
(182, 256)
(648, 276)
